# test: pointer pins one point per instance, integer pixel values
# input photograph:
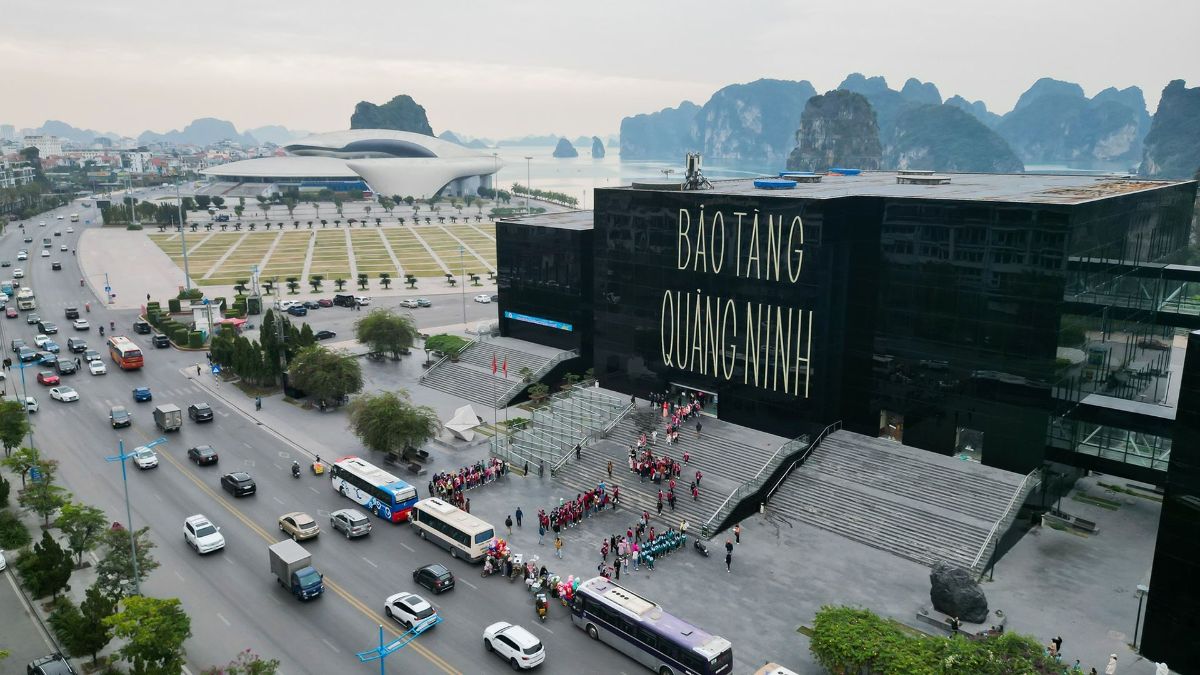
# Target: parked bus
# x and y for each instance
(379, 491)
(641, 630)
(455, 530)
(124, 353)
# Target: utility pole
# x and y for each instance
(187, 278)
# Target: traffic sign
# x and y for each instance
(35, 474)
(216, 369)
(108, 289)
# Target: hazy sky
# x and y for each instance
(568, 67)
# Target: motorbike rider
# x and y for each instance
(295, 468)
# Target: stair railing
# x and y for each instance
(437, 363)
(1028, 484)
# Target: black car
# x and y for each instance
(343, 300)
(161, 341)
(56, 266)
(65, 366)
(141, 327)
(435, 577)
(76, 345)
(54, 664)
(312, 304)
(324, 334)
(297, 310)
(91, 355)
(72, 312)
(200, 412)
(238, 484)
(33, 318)
(119, 417)
(203, 455)
(47, 327)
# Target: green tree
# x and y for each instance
(306, 338)
(42, 496)
(83, 525)
(385, 280)
(363, 280)
(46, 569)
(114, 572)
(14, 424)
(338, 202)
(246, 663)
(388, 422)
(444, 343)
(538, 391)
(326, 375)
(5, 486)
(21, 461)
(238, 210)
(154, 631)
(218, 201)
(290, 203)
(293, 283)
(384, 331)
(340, 283)
(315, 281)
(203, 201)
(88, 632)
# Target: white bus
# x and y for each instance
(382, 493)
(455, 530)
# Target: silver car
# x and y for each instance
(352, 522)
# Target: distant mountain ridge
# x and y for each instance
(401, 113)
(1052, 122)
(1172, 148)
(203, 131)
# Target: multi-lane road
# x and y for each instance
(230, 595)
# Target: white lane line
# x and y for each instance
(314, 489)
(408, 548)
(330, 645)
(223, 619)
(277, 499)
(247, 445)
(158, 496)
(473, 586)
(179, 575)
(544, 628)
(370, 563)
(229, 560)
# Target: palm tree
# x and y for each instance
(339, 282)
(315, 281)
(362, 281)
(293, 283)
(310, 224)
(385, 279)
(324, 223)
(400, 220)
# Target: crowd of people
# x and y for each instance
(452, 485)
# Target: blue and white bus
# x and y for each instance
(641, 630)
(379, 491)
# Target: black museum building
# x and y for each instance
(1023, 321)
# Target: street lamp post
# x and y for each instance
(187, 279)
(463, 269)
(528, 186)
(381, 652)
(121, 457)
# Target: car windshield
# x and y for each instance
(144, 453)
(424, 613)
(357, 521)
(205, 530)
(309, 577)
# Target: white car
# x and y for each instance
(41, 223)
(22, 255)
(363, 300)
(62, 247)
(59, 217)
(408, 608)
(64, 394)
(97, 367)
(3, 563)
(285, 305)
(31, 404)
(483, 299)
(202, 535)
(81, 324)
(409, 302)
(514, 644)
(70, 230)
(17, 271)
(45, 253)
(145, 458)
(41, 340)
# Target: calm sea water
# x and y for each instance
(578, 176)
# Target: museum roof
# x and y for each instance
(1035, 188)
(568, 220)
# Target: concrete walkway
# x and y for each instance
(132, 264)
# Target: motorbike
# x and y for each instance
(295, 471)
(541, 605)
(700, 548)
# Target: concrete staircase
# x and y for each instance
(915, 504)
(727, 455)
(471, 384)
(471, 377)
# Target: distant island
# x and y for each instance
(597, 148)
(565, 149)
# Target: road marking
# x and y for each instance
(468, 583)
(247, 445)
(330, 645)
(370, 563)
(375, 617)
(408, 548)
(179, 575)
(223, 619)
(314, 489)
(277, 499)
(544, 628)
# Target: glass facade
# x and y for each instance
(544, 274)
(955, 326)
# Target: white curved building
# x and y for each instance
(381, 160)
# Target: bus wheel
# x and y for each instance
(592, 632)
(454, 553)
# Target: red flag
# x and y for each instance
(505, 366)
(493, 364)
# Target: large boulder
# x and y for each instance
(955, 592)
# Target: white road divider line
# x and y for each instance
(277, 499)
(408, 548)
(314, 489)
(330, 645)
(223, 619)
(370, 563)
(473, 586)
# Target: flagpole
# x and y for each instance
(495, 403)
